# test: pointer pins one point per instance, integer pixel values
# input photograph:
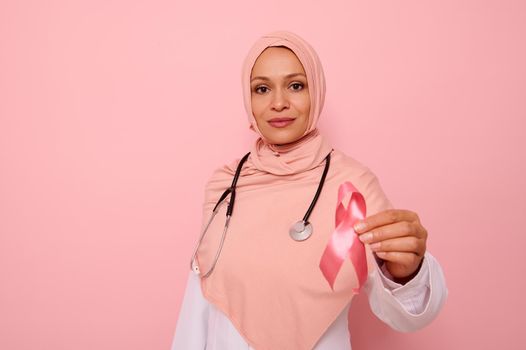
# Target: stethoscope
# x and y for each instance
(299, 231)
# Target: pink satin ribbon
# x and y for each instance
(344, 240)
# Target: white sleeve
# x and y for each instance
(192, 325)
(414, 295)
(411, 306)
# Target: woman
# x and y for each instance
(268, 289)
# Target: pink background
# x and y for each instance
(114, 113)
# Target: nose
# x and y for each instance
(279, 100)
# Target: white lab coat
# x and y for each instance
(404, 308)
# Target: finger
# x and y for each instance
(405, 244)
(398, 229)
(385, 217)
(401, 258)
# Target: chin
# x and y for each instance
(283, 136)
(282, 139)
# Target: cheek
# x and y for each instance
(303, 104)
(305, 111)
(257, 108)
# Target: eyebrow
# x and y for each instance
(286, 76)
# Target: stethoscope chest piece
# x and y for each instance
(300, 231)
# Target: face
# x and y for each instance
(280, 95)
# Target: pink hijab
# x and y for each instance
(312, 148)
(268, 285)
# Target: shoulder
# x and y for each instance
(226, 171)
(219, 180)
(351, 166)
(363, 178)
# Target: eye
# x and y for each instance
(261, 89)
(296, 86)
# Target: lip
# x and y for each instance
(281, 122)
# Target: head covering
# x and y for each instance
(311, 149)
(311, 64)
(268, 285)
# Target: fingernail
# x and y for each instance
(366, 237)
(360, 226)
(375, 246)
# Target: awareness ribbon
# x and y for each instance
(344, 240)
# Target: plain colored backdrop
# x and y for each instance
(113, 114)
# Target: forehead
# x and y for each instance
(277, 61)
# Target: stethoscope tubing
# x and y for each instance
(230, 209)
